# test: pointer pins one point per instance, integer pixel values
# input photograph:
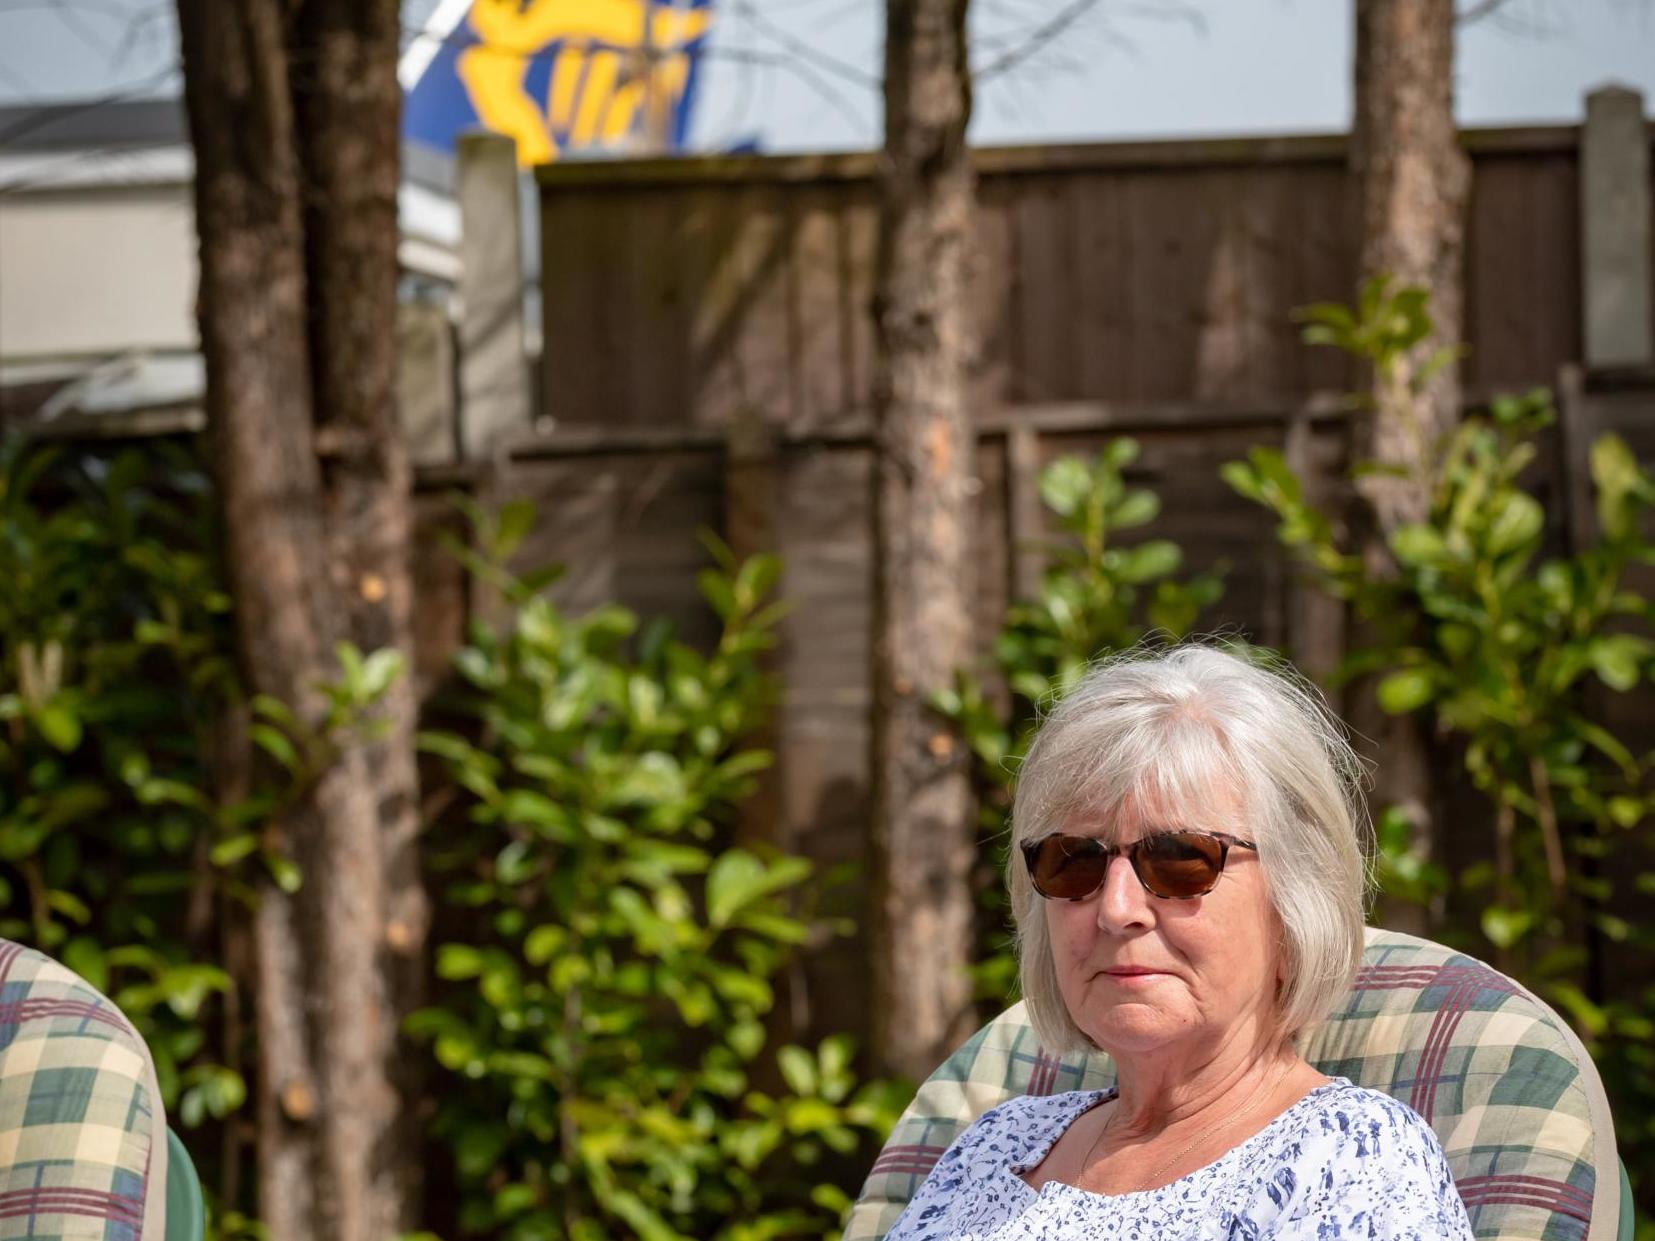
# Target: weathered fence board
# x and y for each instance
(686, 291)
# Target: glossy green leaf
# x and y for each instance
(1406, 689)
(1137, 509)
(1505, 927)
(1619, 659)
(798, 1068)
(59, 724)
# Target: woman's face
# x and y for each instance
(1142, 974)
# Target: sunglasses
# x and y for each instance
(1176, 866)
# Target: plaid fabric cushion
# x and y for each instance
(1513, 1098)
(78, 1113)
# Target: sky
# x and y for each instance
(802, 75)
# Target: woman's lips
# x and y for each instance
(1132, 977)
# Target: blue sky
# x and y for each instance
(802, 74)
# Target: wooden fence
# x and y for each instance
(692, 291)
(707, 359)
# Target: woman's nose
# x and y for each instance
(1123, 904)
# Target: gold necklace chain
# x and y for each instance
(1252, 1101)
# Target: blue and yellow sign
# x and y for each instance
(557, 75)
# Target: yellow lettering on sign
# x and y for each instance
(610, 64)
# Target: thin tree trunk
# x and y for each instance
(285, 1091)
(295, 209)
(252, 316)
(229, 759)
(1413, 181)
(349, 130)
(923, 829)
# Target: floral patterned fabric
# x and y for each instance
(1504, 1084)
(1342, 1162)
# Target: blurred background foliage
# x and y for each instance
(601, 1024)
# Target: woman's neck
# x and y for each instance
(1175, 1086)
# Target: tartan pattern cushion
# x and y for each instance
(1496, 1073)
(77, 1110)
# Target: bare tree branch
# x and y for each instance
(144, 25)
(107, 8)
(1539, 19)
(69, 16)
(804, 51)
(90, 22)
(772, 60)
(741, 99)
(1478, 10)
(1045, 33)
(17, 81)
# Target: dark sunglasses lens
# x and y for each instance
(1068, 868)
(1179, 864)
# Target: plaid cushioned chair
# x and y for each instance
(1509, 1090)
(83, 1142)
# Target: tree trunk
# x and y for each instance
(293, 115)
(922, 823)
(349, 108)
(1413, 181)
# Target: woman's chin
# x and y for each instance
(1132, 1027)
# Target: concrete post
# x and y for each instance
(1615, 228)
(494, 369)
(425, 382)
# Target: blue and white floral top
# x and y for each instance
(1342, 1162)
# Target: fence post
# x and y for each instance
(494, 368)
(1615, 230)
(752, 494)
(425, 382)
(754, 523)
(1316, 633)
(1025, 515)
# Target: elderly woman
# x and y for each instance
(1188, 887)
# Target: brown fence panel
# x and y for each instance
(689, 291)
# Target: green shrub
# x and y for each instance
(127, 849)
(606, 1024)
(1096, 596)
(1507, 653)
(115, 666)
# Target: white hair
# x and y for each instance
(1169, 729)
